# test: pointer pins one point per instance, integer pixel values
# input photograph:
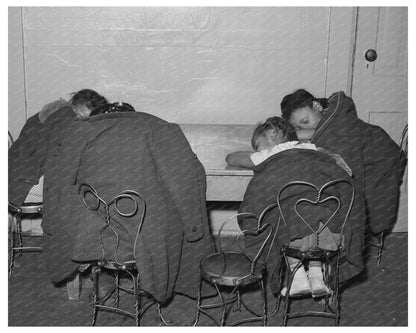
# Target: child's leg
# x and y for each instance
(316, 279)
(300, 283)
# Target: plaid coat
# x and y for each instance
(138, 152)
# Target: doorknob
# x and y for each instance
(370, 55)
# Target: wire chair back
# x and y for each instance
(264, 232)
(101, 205)
(320, 199)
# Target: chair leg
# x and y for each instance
(263, 290)
(336, 292)
(94, 272)
(12, 245)
(117, 291)
(223, 305)
(289, 278)
(19, 232)
(238, 301)
(380, 246)
(198, 303)
(287, 301)
(137, 299)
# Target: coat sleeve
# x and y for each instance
(382, 183)
(183, 175)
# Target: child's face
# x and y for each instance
(305, 118)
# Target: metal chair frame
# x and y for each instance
(330, 259)
(15, 231)
(256, 275)
(115, 266)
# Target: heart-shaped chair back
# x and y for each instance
(260, 236)
(321, 210)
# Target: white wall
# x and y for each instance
(188, 65)
(17, 96)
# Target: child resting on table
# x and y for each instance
(270, 138)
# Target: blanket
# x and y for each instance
(372, 155)
(317, 168)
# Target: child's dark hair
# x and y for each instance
(114, 108)
(93, 100)
(297, 100)
(278, 125)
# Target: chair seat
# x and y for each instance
(124, 266)
(26, 208)
(312, 254)
(229, 269)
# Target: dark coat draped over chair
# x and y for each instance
(371, 154)
(129, 151)
(316, 168)
(39, 137)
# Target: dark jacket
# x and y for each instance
(317, 168)
(370, 152)
(40, 136)
(129, 151)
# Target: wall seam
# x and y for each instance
(353, 51)
(24, 62)
(327, 49)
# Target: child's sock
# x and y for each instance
(316, 279)
(300, 283)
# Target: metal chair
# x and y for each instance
(117, 268)
(330, 259)
(380, 237)
(237, 269)
(16, 234)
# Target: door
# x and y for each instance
(379, 87)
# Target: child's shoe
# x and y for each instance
(300, 284)
(316, 281)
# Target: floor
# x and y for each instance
(378, 297)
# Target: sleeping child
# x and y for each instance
(269, 138)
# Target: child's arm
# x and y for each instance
(240, 159)
(305, 134)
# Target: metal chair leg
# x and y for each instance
(11, 255)
(336, 292)
(287, 296)
(223, 305)
(137, 300)
(19, 233)
(94, 273)
(263, 290)
(117, 291)
(380, 246)
(198, 303)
